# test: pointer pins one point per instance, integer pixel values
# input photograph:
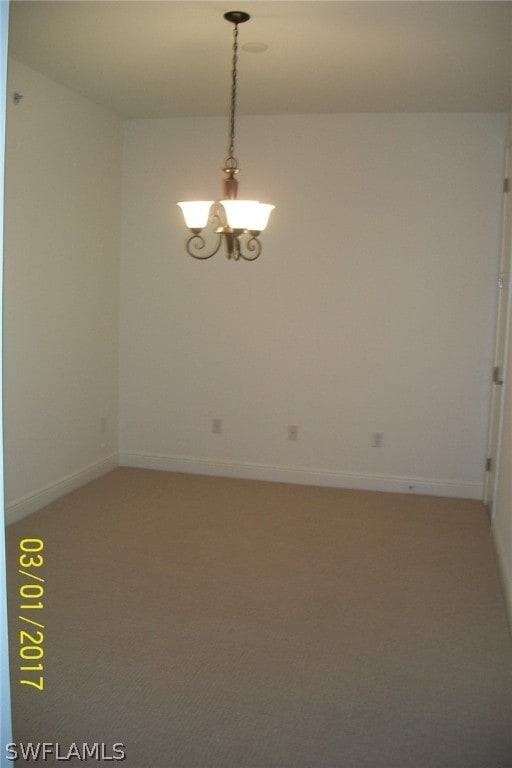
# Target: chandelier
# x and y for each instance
(237, 223)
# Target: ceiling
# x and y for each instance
(147, 59)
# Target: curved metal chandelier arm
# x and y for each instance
(253, 247)
(195, 244)
(234, 240)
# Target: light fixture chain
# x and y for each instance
(231, 161)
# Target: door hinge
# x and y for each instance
(506, 185)
(488, 465)
(496, 375)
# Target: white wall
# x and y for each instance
(371, 309)
(61, 298)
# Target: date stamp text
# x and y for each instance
(31, 592)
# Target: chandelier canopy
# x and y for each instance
(237, 223)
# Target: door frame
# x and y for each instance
(501, 339)
(5, 691)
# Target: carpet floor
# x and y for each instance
(206, 622)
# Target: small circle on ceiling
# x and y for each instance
(255, 47)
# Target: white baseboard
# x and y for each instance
(242, 470)
(506, 577)
(303, 475)
(40, 498)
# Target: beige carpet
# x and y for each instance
(214, 623)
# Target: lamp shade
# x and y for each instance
(249, 215)
(196, 212)
(261, 216)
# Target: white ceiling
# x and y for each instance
(143, 58)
